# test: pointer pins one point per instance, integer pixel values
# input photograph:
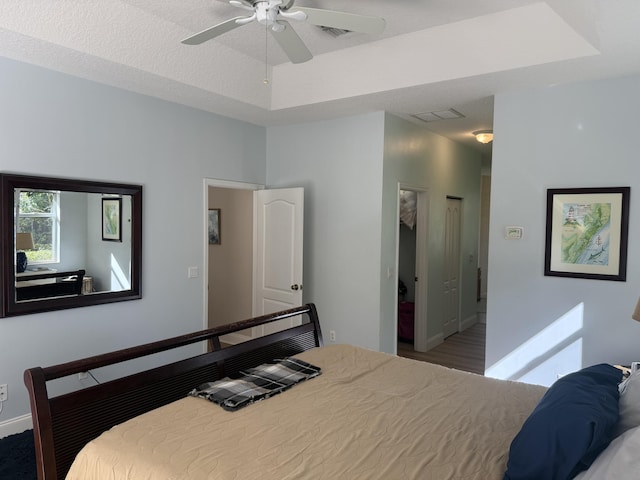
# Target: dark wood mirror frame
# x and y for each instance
(8, 183)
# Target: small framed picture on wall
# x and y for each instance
(214, 226)
(112, 219)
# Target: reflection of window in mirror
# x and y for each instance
(38, 213)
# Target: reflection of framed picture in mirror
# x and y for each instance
(112, 219)
(214, 226)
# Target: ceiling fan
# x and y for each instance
(277, 13)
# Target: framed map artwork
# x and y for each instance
(587, 230)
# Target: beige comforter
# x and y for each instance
(368, 416)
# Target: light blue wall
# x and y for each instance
(350, 169)
(58, 125)
(419, 158)
(581, 135)
(108, 263)
(73, 231)
(339, 163)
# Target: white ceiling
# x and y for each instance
(433, 55)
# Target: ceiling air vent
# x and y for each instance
(334, 32)
(439, 115)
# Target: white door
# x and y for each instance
(277, 275)
(452, 266)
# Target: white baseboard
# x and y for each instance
(15, 425)
(434, 341)
(469, 322)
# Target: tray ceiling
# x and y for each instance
(433, 55)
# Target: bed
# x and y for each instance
(367, 415)
(44, 285)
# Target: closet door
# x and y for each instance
(452, 266)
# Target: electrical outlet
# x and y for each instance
(332, 335)
(4, 393)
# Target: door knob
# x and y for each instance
(296, 287)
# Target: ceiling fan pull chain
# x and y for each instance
(266, 66)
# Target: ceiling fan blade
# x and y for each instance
(241, 4)
(344, 21)
(291, 43)
(213, 32)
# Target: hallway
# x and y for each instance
(464, 350)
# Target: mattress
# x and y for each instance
(369, 415)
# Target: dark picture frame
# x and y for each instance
(112, 219)
(214, 226)
(587, 233)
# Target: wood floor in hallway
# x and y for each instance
(463, 350)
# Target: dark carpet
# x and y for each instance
(17, 457)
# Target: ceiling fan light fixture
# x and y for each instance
(267, 12)
(484, 136)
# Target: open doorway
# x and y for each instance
(229, 259)
(412, 267)
(462, 344)
(253, 252)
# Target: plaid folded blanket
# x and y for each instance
(256, 383)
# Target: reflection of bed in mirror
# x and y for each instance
(46, 285)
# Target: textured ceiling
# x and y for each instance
(433, 55)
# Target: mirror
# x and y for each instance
(68, 243)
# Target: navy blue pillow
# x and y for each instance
(570, 426)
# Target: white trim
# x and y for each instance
(469, 322)
(15, 425)
(439, 338)
(214, 182)
(434, 341)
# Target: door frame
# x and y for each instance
(216, 183)
(420, 336)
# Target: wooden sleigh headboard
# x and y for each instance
(64, 424)
(71, 285)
